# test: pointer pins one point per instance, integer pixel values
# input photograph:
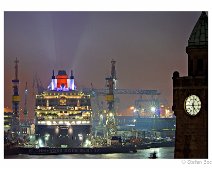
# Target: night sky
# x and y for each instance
(148, 48)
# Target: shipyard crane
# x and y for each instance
(110, 83)
(15, 125)
(109, 93)
(111, 113)
(37, 82)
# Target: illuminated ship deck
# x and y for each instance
(63, 114)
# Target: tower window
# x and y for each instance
(200, 64)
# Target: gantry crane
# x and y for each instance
(109, 93)
(111, 113)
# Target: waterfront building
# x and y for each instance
(63, 114)
(190, 96)
(8, 113)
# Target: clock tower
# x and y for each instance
(190, 97)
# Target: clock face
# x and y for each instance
(192, 105)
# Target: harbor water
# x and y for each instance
(162, 153)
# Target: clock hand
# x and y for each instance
(193, 104)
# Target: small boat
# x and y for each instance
(153, 155)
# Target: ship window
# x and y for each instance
(63, 101)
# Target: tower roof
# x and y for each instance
(199, 35)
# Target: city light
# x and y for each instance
(153, 109)
(167, 112)
(110, 114)
(132, 108)
(135, 110)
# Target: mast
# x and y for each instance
(25, 105)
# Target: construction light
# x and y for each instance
(153, 109)
(132, 108)
(110, 114)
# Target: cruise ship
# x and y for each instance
(63, 114)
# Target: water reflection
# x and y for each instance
(162, 153)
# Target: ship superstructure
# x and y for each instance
(63, 114)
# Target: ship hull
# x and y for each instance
(62, 135)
